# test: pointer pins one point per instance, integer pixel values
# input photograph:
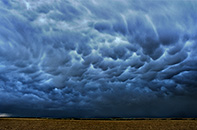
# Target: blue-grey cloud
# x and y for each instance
(98, 58)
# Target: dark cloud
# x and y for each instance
(98, 58)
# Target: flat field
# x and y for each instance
(67, 124)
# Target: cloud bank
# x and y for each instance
(88, 58)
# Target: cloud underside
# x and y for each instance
(98, 58)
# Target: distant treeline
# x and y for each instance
(132, 118)
(113, 118)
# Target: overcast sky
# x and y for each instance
(98, 58)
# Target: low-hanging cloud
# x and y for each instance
(98, 58)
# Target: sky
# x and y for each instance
(98, 58)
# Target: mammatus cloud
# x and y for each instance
(98, 58)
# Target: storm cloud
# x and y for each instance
(87, 58)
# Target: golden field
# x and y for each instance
(69, 124)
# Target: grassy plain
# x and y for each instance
(69, 124)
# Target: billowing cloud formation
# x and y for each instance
(98, 58)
